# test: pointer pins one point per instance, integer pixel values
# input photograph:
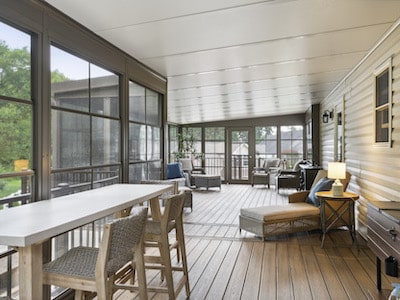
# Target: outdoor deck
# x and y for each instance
(224, 264)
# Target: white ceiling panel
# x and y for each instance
(227, 59)
(267, 52)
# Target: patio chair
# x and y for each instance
(189, 169)
(157, 235)
(263, 175)
(89, 269)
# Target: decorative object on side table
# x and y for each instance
(337, 171)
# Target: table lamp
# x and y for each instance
(337, 171)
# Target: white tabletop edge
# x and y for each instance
(57, 218)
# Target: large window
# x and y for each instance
(144, 134)
(291, 144)
(190, 144)
(16, 132)
(85, 124)
(266, 144)
(383, 104)
(215, 151)
(16, 110)
(173, 143)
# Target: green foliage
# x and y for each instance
(15, 72)
(215, 134)
(263, 132)
(9, 186)
(57, 76)
(186, 148)
(15, 117)
(16, 133)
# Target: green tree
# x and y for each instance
(263, 132)
(15, 134)
(16, 117)
(57, 76)
(15, 72)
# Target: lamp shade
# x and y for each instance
(336, 170)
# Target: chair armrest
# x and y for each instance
(198, 171)
(274, 169)
(259, 170)
(298, 196)
(288, 172)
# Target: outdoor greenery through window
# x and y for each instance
(173, 142)
(215, 151)
(16, 110)
(291, 144)
(266, 144)
(190, 144)
(16, 142)
(144, 134)
(85, 124)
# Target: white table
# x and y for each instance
(28, 226)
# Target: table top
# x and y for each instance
(35, 222)
(346, 195)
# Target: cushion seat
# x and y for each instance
(280, 212)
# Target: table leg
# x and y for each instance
(323, 222)
(352, 226)
(30, 272)
(155, 209)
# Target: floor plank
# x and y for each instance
(226, 264)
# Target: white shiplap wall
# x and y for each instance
(375, 170)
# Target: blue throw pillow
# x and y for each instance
(174, 170)
(324, 184)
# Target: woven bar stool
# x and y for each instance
(88, 269)
(157, 235)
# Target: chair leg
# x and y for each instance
(181, 241)
(139, 263)
(166, 259)
(79, 295)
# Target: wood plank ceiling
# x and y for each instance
(234, 59)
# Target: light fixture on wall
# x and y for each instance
(327, 115)
(337, 171)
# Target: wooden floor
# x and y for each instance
(226, 264)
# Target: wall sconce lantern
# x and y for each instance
(327, 115)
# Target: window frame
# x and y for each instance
(380, 70)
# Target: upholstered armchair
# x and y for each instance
(188, 168)
(262, 175)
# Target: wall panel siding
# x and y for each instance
(375, 170)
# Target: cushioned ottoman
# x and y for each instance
(266, 221)
(207, 181)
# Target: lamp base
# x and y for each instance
(337, 188)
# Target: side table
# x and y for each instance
(332, 214)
